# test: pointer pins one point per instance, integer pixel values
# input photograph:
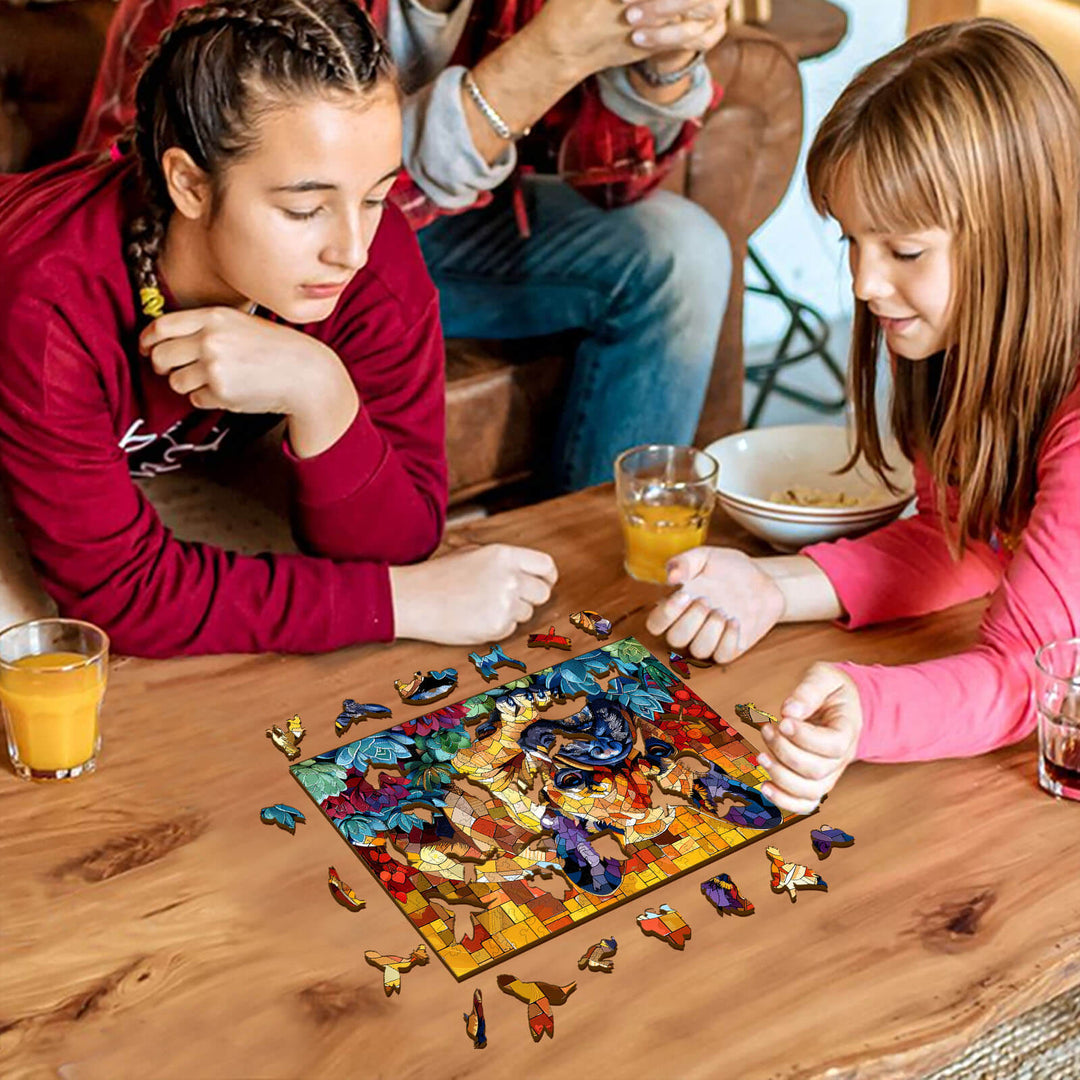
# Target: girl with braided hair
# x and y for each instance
(239, 267)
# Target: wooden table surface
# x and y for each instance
(151, 926)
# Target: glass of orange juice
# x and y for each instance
(52, 680)
(666, 495)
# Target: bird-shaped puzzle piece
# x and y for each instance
(550, 640)
(475, 1026)
(540, 996)
(393, 966)
(599, 957)
(352, 712)
(666, 924)
(724, 895)
(422, 688)
(287, 740)
(792, 876)
(826, 838)
(486, 663)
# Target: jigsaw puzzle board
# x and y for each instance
(537, 804)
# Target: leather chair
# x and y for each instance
(502, 397)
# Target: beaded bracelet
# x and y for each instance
(498, 124)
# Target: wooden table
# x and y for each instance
(151, 926)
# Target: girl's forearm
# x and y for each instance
(809, 595)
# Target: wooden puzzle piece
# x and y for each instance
(826, 838)
(599, 957)
(393, 966)
(342, 893)
(486, 663)
(592, 622)
(421, 688)
(667, 924)
(475, 1027)
(746, 714)
(540, 996)
(724, 895)
(550, 640)
(282, 815)
(792, 876)
(287, 740)
(682, 663)
(352, 712)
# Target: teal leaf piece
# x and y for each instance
(321, 779)
(359, 828)
(282, 815)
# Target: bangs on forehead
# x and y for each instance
(898, 184)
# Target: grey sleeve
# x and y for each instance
(664, 121)
(438, 148)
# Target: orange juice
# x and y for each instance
(654, 534)
(52, 714)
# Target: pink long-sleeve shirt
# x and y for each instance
(977, 700)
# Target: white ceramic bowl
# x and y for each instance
(756, 464)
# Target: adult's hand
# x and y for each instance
(673, 31)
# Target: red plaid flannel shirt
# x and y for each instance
(607, 159)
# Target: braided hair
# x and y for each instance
(199, 90)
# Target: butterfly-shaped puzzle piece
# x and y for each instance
(792, 876)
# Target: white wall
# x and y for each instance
(803, 251)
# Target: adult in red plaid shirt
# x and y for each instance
(551, 122)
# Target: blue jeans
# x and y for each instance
(647, 284)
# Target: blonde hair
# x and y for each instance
(971, 128)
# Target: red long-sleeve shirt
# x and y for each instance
(81, 412)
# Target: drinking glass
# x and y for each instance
(1057, 700)
(665, 496)
(52, 681)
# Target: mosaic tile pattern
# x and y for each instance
(487, 810)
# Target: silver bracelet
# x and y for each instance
(498, 124)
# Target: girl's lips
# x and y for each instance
(895, 326)
(323, 292)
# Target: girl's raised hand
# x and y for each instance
(815, 741)
(221, 358)
(724, 604)
(471, 597)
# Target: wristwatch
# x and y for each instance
(667, 78)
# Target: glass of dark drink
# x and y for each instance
(1057, 699)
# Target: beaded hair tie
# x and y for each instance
(152, 301)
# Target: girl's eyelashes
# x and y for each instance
(300, 215)
(906, 256)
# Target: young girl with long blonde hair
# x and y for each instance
(952, 166)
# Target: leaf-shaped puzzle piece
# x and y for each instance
(282, 815)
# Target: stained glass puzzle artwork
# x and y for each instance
(826, 838)
(475, 1025)
(501, 820)
(540, 997)
(790, 876)
(282, 815)
(287, 739)
(666, 924)
(393, 966)
(600, 957)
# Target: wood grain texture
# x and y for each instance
(152, 926)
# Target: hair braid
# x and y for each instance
(197, 87)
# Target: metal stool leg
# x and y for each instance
(802, 319)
